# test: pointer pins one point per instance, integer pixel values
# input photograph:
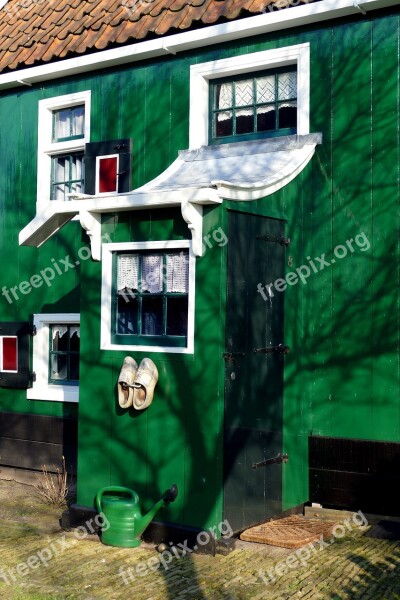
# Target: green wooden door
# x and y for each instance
(253, 380)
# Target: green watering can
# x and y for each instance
(121, 508)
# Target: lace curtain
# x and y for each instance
(63, 329)
(177, 272)
(265, 92)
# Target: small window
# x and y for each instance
(69, 123)
(64, 354)
(55, 354)
(151, 298)
(67, 175)
(252, 107)
(63, 132)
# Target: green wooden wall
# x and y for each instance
(342, 376)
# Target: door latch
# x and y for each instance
(279, 349)
(280, 458)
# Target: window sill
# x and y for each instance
(54, 393)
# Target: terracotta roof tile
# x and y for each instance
(38, 31)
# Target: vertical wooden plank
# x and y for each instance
(385, 228)
(351, 359)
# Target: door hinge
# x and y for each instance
(276, 240)
(279, 349)
(33, 330)
(280, 458)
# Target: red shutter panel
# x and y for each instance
(14, 355)
(108, 166)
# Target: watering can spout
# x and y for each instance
(168, 497)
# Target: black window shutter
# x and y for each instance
(94, 149)
(22, 379)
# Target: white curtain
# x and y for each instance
(78, 121)
(178, 272)
(128, 272)
(62, 124)
(152, 274)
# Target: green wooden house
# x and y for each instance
(213, 185)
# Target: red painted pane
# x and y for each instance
(108, 174)
(10, 354)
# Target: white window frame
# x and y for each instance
(47, 149)
(202, 74)
(41, 388)
(106, 294)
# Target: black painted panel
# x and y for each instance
(355, 474)
(38, 428)
(25, 454)
(30, 441)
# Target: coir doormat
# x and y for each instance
(291, 532)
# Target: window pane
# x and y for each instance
(78, 121)
(61, 124)
(59, 369)
(152, 313)
(74, 340)
(76, 167)
(287, 85)
(178, 272)
(74, 367)
(288, 115)
(128, 272)
(265, 89)
(127, 315)
(223, 124)
(266, 118)
(58, 192)
(223, 95)
(61, 167)
(244, 121)
(244, 92)
(152, 273)
(177, 314)
(60, 338)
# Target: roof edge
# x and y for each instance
(198, 38)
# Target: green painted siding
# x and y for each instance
(342, 375)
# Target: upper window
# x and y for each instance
(263, 94)
(253, 107)
(148, 296)
(64, 129)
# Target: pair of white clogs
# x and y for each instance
(136, 383)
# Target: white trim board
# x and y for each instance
(214, 34)
(106, 294)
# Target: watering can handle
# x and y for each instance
(114, 488)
